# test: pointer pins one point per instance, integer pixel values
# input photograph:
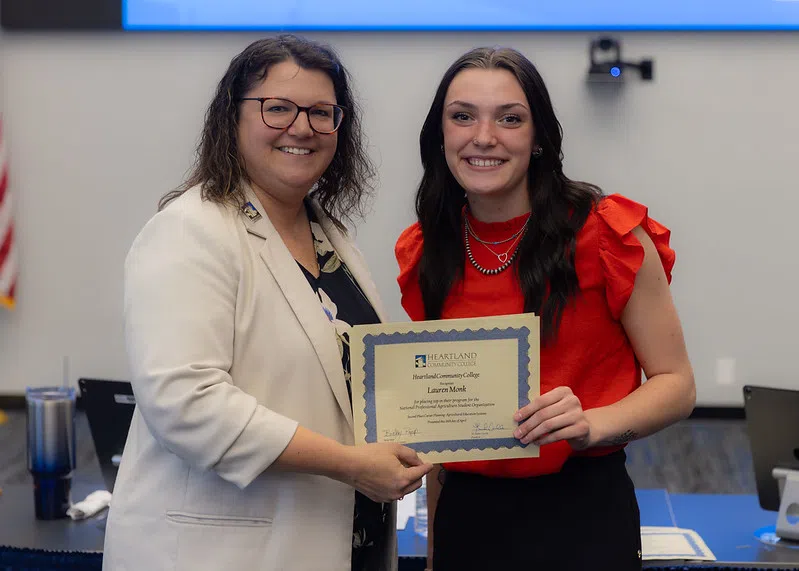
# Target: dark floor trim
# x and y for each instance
(17, 402)
(10, 402)
(718, 412)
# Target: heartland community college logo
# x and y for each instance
(445, 360)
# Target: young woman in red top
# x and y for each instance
(502, 230)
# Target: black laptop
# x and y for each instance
(109, 409)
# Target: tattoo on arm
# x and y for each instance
(620, 439)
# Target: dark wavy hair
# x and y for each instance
(219, 168)
(560, 206)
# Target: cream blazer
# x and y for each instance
(230, 350)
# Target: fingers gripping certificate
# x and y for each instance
(448, 389)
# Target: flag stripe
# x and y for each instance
(3, 166)
(8, 253)
(3, 180)
(6, 249)
(6, 219)
(8, 272)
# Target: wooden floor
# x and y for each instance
(694, 456)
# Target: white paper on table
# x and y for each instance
(406, 509)
(673, 543)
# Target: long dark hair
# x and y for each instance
(219, 168)
(560, 207)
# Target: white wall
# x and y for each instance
(99, 126)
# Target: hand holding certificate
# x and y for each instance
(449, 388)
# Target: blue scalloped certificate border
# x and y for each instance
(370, 342)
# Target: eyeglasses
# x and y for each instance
(324, 118)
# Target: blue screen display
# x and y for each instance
(460, 14)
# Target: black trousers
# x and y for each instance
(584, 518)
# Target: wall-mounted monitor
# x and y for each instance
(353, 15)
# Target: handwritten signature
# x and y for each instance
(488, 427)
(398, 432)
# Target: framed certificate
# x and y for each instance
(448, 388)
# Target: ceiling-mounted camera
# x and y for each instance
(607, 65)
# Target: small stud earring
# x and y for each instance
(537, 152)
(442, 148)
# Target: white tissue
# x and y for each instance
(93, 503)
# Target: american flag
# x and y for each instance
(8, 251)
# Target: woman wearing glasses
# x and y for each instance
(502, 230)
(238, 297)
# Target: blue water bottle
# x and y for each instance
(51, 448)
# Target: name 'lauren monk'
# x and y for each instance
(453, 389)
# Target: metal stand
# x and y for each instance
(788, 481)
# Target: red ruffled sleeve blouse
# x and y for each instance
(591, 352)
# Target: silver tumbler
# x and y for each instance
(51, 448)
